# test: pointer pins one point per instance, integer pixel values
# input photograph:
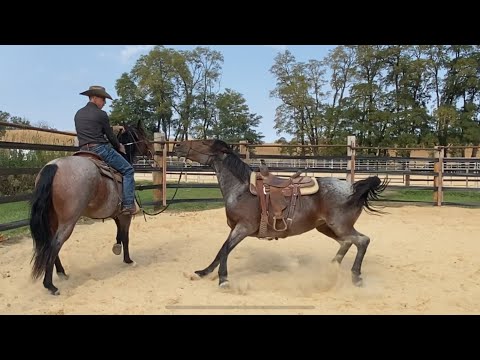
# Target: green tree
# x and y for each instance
(153, 74)
(234, 122)
(299, 87)
(341, 62)
(131, 105)
(210, 64)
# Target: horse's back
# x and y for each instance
(334, 187)
(76, 167)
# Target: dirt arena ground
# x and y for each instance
(421, 260)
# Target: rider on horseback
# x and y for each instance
(95, 134)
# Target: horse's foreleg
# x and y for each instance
(123, 226)
(234, 238)
(215, 261)
(117, 248)
(236, 235)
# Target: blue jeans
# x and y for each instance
(115, 160)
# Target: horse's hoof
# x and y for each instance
(55, 292)
(117, 249)
(357, 281)
(62, 276)
(201, 273)
(132, 263)
(225, 284)
(193, 276)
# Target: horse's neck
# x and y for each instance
(229, 183)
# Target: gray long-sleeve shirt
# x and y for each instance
(92, 125)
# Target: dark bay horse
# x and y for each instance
(332, 210)
(73, 186)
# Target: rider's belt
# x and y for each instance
(90, 145)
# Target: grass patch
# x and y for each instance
(465, 197)
(185, 193)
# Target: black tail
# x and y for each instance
(40, 222)
(367, 190)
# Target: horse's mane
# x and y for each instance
(232, 161)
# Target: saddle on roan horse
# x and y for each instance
(276, 194)
(105, 170)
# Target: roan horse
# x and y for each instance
(332, 207)
(73, 186)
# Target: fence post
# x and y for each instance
(407, 176)
(165, 146)
(351, 162)
(438, 179)
(158, 177)
(245, 150)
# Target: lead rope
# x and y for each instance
(166, 207)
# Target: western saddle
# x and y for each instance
(110, 173)
(278, 196)
(105, 170)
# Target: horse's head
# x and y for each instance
(134, 138)
(202, 151)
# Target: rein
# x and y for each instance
(174, 194)
(166, 207)
(178, 182)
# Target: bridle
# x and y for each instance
(178, 182)
(134, 135)
(208, 154)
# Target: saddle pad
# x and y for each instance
(309, 190)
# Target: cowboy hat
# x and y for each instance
(96, 90)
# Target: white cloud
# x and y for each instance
(277, 47)
(130, 51)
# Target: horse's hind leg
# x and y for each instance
(346, 240)
(344, 245)
(63, 233)
(59, 268)
(47, 280)
(361, 242)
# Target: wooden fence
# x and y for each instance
(351, 167)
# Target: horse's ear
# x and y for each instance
(139, 124)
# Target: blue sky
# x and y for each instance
(42, 82)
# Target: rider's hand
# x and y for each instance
(121, 148)
(118, 128)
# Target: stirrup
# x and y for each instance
(275, 224)
(129, 211)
